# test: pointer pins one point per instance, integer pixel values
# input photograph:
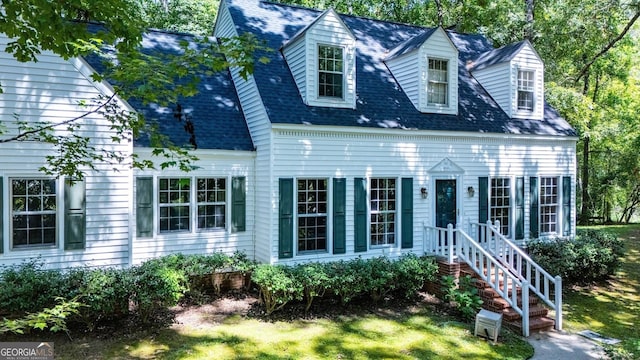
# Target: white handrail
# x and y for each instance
(455, 243)
(519, 262)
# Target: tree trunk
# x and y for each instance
(528, 29)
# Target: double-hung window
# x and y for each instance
(33, 212)
(526, 83)
(330, 71)
(383, 211)
(500, 203)
(174, 199)
(312, 214)
(549, 202)
(438, 82)
(211, 197)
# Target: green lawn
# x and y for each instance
(420, 335)
(611, 309)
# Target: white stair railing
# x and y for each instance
(541, 283)
(456, 244)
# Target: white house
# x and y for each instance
(355, 139)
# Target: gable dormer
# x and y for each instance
(514, 76)
(426, 67)
(321, 58)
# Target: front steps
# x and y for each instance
(538, 314)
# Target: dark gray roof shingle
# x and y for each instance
(214, 111)
(380, 101)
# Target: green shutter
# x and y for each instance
(566, 205)
(483, 199)
(533, 213)
(1, 215)
(360, 214)
(238, 204)
(75, 224)
(519, 208)
(285, 223)
(144, 207)
(407, 213)
(339, 216)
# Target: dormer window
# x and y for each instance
(526, 85)
(437, 88)
(330, 71)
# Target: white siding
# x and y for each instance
(297, 60)
(49, 90)
(328, 155)
(438, 46)
(527, 59)
(497, 81)
(406, 71)
(212, 164)
(330, 30)
(260, 128)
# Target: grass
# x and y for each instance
(420, 335)
(611, 309)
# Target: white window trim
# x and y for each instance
(348, 69)
(558, 206)
(512, 200)
(397, 240)
(193, 211)
(8, 230)
(451, 107)
(329, 240)
(338, 99)
(535, 91)
(447, 102)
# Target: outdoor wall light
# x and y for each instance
(423, 191)
(471, 191)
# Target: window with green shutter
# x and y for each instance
(285, 219)
(360, 214)
(519, 208)
(144, 207)
(566, 206)
(534, 229)
(407, 213)
(74, 215)
(238, 204)
(339, 215)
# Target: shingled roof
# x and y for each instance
(215, 110)
(380, 101)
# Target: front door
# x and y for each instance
(446, 208)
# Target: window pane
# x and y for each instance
(33, 212)
(330, 71)
(383, 208)
(548, 205)
(501, 203)
(438, 78)
(211, 197)
(312, 214)
(174, 200)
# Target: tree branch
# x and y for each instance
(611, 44)
(51, 126)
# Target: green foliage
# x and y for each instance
(378, 274)
(156, 286)
(277, 285)
(52, 319)
(462, 295)
(192, 16)
(593, 255)
(617, 352)
(29, 287)
(413, 272)
(345, 280)
(314, 280)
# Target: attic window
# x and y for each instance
(438, 82)
(525, 90)
(330, 71)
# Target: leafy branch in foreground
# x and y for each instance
(54, 319)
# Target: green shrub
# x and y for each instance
(156, 286)
(105, 294)
(277, 286)
(314, 280)
(463, 296)
(378, 276)
(593, 255)
(412, 272)
(345, 281)
(28, 287)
